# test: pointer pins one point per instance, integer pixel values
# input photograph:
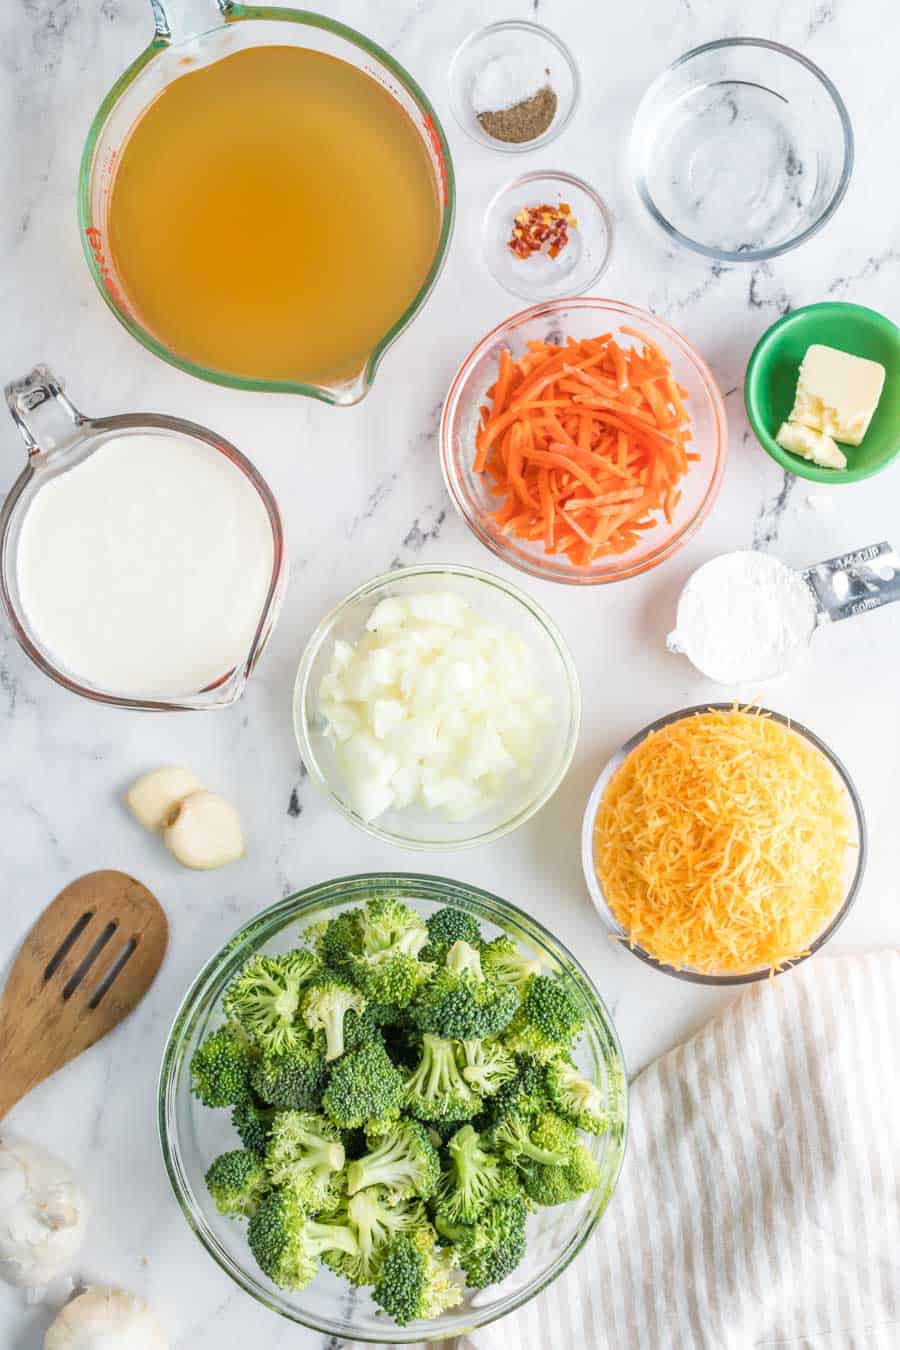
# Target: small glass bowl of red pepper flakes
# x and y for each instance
(541, 228)
(547, 235)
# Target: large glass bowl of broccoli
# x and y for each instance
(393, 1108)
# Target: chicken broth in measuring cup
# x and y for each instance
(273, 216)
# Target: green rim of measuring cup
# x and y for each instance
(771, 381)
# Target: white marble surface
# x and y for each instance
(64, 762)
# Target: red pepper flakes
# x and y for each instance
(535, 227)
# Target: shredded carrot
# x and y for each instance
(584, 444)
(721, 843)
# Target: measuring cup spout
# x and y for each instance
(178, 19)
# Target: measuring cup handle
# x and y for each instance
(855, 582)
(41, 411)
(176, 20)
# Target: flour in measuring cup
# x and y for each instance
(744, 617)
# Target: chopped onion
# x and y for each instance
(435, 706)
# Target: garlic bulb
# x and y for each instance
(106, 1319)
(43, 1214)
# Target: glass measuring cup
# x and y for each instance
(59, 437)
(191, 34)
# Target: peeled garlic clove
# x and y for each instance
(154, 796)
(204, 831)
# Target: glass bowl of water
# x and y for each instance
(741, 149)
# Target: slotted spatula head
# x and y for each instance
(87, 962)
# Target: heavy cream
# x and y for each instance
(144, 569)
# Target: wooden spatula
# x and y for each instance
(87, 962)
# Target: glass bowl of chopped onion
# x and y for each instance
(437, 707)
(724, 844)
(193, 1135)
(583, 441)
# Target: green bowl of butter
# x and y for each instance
(806, 390)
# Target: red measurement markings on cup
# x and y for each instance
(95, 239)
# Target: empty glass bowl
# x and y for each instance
(855, 864)
(581, 263)
(742, 149)
(553, 322)
(192, 1135)
(414, 826)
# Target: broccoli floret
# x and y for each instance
(491, 1248)
(548, 1020)
(472, 1179)
(549, 1185)
(374, 1221)
(461, 1002)
(362, 1027)
(404, 1162)
(503, 959)
(265, 997)
(237, 1182)
(415, 1281)
(436, 1089)
(446, 926)
(340, 940)
(440, 1132)
(384, 964)
(305, 1154)
(286, 1243)
(486, 1066)
(293, 1081)
(324, 1005)
(253, 1120)
(364, 1087)
(576, 1097)
(524, 1095)
(390, 925)
(545, 1138)
(220, 1068)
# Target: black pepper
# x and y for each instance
(524, 121)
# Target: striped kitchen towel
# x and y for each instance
(759, 1204)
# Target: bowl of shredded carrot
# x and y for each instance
(583, 440)
(724, 844)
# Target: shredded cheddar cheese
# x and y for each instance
(721, 843)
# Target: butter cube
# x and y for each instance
(810, 444)
(837, 393)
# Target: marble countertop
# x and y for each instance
(65, 762)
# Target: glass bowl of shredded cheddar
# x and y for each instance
(724, 844)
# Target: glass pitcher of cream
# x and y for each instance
(266, 198)
(142, 558)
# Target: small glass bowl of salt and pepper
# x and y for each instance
(513, 86)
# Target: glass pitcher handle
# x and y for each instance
(45, 417)
(179, 19)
